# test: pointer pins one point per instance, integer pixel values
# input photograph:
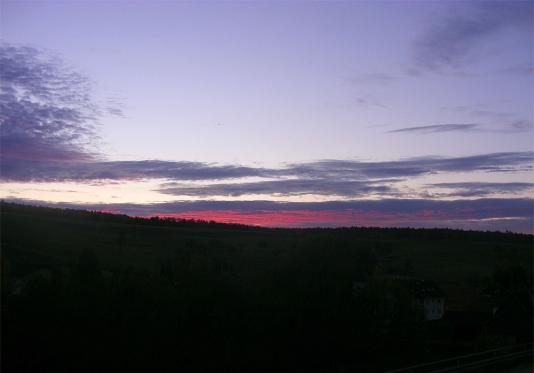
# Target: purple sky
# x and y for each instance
(278, 113)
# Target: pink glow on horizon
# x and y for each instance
(307, 218)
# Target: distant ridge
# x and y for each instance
(112, 217)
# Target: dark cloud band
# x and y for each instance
(15, 169)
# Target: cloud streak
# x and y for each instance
(482, 189)
(516, 126)
(292, 187)
(458, 127)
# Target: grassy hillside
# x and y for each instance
(38, 237)
(248, 298)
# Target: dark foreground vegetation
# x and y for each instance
(93, 292)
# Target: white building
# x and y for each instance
(430, 297)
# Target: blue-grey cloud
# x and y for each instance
(47, 112)
(22, 170)
(333, 170)
(516, 126)
(354, 170)
(46, 109)
(450, 41)
(288, 187)
(345, 188)
(368, 101)
(481, 189)
(451, 127)
(519, 126)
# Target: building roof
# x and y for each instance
(426, 289)
(420, 288)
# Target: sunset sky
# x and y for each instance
(275, 113)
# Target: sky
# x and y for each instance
(273, 113)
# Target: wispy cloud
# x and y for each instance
(291, 187)
(518, 126)
(348, 169)
(511, 127)
(454, 127)
(368, 101)
(450, 42)
(496, 121)
(482, 189)
(479, 111)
